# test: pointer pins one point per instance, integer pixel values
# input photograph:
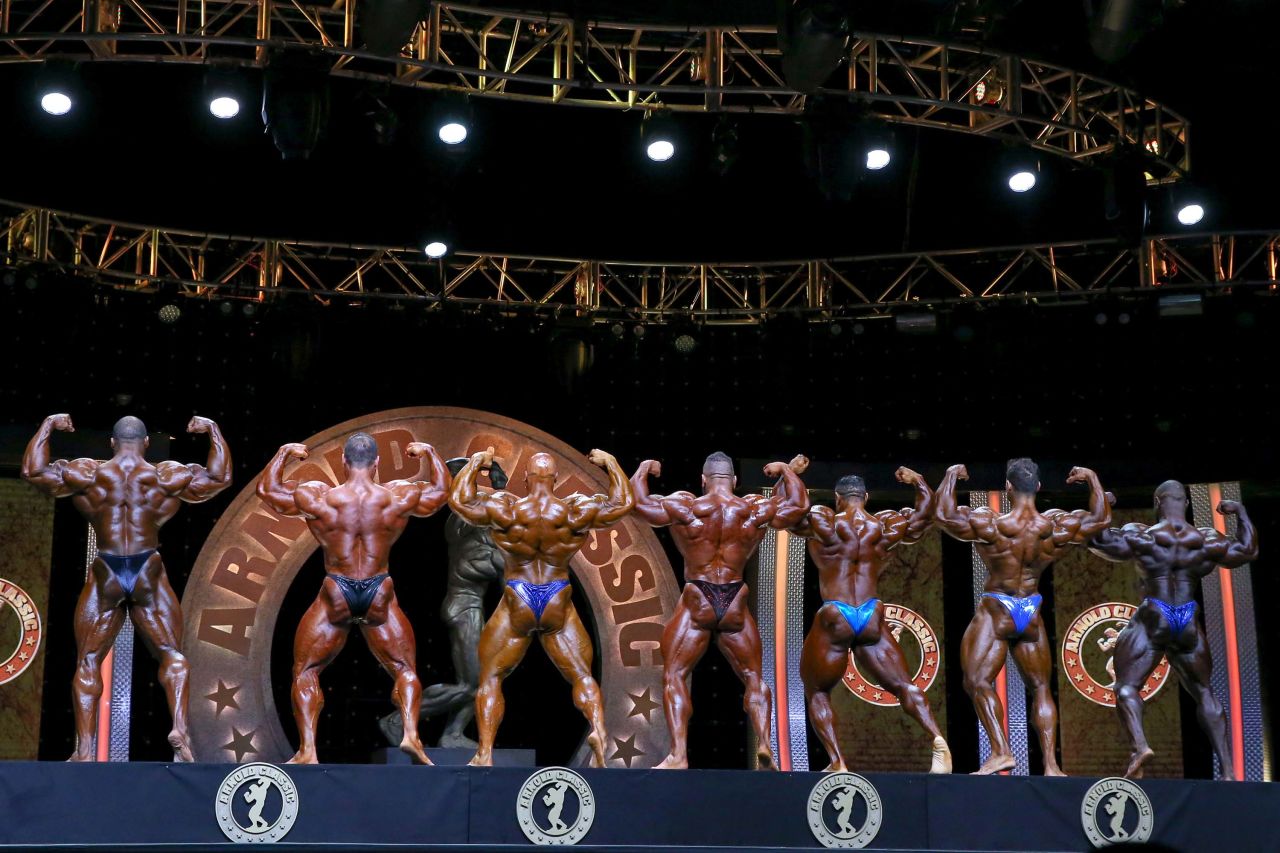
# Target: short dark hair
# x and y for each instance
(1023, 475)
(360, 450)
(129, 428)
(716, 462)
(851, 484)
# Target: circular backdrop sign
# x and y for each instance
(1088, 652)
(919, 645)
(246, 566)
(24, 651)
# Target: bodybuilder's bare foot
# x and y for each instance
(596, 742)
(181, 746)
(80, 755)
(301, 757)
(673, 763)
(941, 756)
(995, 764)
(1136, 762)
(478, 760)
(764, 760)
(1053, 770)
(836, 766)
(412, 747)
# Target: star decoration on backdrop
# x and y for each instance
(9, 668)
(1157, 675)
(1107, 697)
(928, 661)
(1079, 676)
(642, 705)
(222, 698)
(862, 688)
(31, 641)
(626, 751)
(241, 744)
(23, 655)
(1146, 688)
(1071, 662)
(877, 695)
(1089, 690)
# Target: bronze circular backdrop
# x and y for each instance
(245, 568)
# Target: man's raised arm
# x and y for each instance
(652, 508)
(55, 477)
(791, 500)
(278, 493)
(908, 525)
(197, 483)
(961, 522)
(422, 497)
(1113, 543)
(1233, 552)
(1080, 526)
(473, 506)
(603, 510)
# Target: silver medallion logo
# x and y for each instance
(555, 806)
(1116, 811)
(835, 802)
(256, 804)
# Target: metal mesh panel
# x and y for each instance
(121, 698)
(796, 722)
(766, 581)
(1016, 695)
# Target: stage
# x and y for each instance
(138, 804)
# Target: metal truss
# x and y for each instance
(545, 58)
(224, 267)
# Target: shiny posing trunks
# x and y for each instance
(1022, 610)
(359, 594)
(720, 595)
(858, 616)
(126, 568)
(1179, 616)
(536, 596)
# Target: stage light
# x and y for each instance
(1191, 213)
(638, 330)
(657, 134)
(813, 36)
(55, 103)
(249, 309)
(58, 86)
(1022, 180)
(224, 107)
(1181, 305)
(169, 314)
(436, 249)
(1100, 318)
(685, 344)
(618, 330)
(452, 118)
(225, 91)
(226, 308)
(877, 158)
(295, 101)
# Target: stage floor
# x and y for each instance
(368, 806)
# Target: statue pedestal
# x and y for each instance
(453, 757)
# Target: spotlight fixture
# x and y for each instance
(452, 118)
(57, 86)
(436, 249)
(169, 314)
(685, 344)
(657, 134)
(617, 330)
(638, 330)
(1022, 179)
(226, 308)
(295, 101)
(224, 91)
(1190, 212)
(877, 157)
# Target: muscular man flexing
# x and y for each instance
(474, 564)
(1172, 556)
(356, 524)
(1017, 547)
(539, 533)
(127, 499)
(849, 546)
(716, 534)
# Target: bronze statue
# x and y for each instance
(1172, 556)
(127, 499)
(539, 534)
(716, 534)
(849, 546)
(356, 524)
(1017, 547)
(475, 563)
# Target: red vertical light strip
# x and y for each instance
(1002, 680)
(780, 649)
(104, 710)
(1235, 712)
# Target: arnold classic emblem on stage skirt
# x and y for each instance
(1088, 652)
(555, 806)
(256, 804)
(919, 645)
(254, 554)
(845, 810)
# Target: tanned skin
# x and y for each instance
(127, 499)
(1171, 557)
(356, 524)
(716, 533)
(539, 534)
(1017, 547)
(850, 546)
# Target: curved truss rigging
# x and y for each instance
(503, 54)
(205, 266)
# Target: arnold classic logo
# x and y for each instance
(1088, 654)
(253, 555)
(29, 631)
(919, 644)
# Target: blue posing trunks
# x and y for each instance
(1178, 616)
(1023, 610)
(856, 615)
(359, 594)
(537, 595)
(126, 568)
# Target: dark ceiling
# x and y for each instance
(573, 182)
